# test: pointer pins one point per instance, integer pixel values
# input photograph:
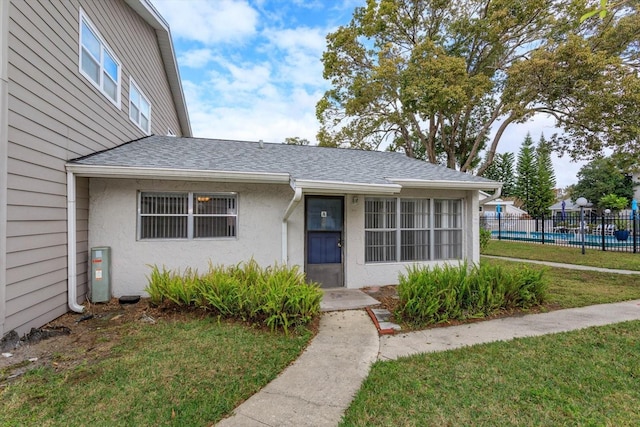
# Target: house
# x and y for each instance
(348, 218)
(96, 151)
(570, 209)
(506, 206)
(76, 77)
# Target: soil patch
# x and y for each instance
(77, 338)
(74, 338)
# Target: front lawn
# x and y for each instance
(196, 371)
(562, 254)
(587, 377)
(578, 288)
(182, 373)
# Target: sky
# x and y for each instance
(251, 70)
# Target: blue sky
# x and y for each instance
(251, 69)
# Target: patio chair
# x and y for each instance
(608, 229)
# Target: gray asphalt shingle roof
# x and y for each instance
(300, 162)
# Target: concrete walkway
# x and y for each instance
(531, 325)
(561, 265)
(319, 386)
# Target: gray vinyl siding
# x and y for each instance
(55, 114)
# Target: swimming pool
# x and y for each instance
(562, 238)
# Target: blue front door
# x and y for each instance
(324, 223)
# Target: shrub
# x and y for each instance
(485, 238)
(443, 293)
(277, 296)
(173, 286)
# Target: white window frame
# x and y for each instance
(450, 222)
(133, 86)
(190, 215)
(104, 50)
(434, 231)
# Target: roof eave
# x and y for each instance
(445, 184)
(93, 171)
(337, 187)
(147, 12)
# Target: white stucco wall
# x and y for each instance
(112, 222)
(359, 274)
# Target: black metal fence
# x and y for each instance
(608, 232)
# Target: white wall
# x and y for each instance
(358, 274)
(112, 222)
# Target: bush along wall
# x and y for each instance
(440, 294)
(277, 296)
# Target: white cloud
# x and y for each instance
(209, 22)
(266, 112)
(300, 54)
(196, 58)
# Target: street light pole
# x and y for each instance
(582, 202)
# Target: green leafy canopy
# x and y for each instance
(442, 80)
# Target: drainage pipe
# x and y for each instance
(297, 196)
(72, 290)
(492, 197)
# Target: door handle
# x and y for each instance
(339, 243)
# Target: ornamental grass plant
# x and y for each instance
(444, 293)
(276, 296)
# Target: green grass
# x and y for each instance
(587, 377)
(592, 257)
(172, 373)
(196, 372)
(577, 288)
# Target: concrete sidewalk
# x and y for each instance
(561, 265)
(319, 386)
(531, 325)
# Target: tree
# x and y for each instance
(545, 180)
(502, 169)
(434, 77)
(527, 174)
(603, 9)
(613, 202)
(602, 177)
(296, 140)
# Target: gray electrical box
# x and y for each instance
(100, 274)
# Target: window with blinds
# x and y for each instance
(187, 215)
(380, 230)
(412, 229)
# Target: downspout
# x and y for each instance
(492, 197)
(71, 245)
(297, 196)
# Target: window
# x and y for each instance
(97, 62)
(412, 229)
(448, 229)
(380, 229)
(139, 108)
(187, 215)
